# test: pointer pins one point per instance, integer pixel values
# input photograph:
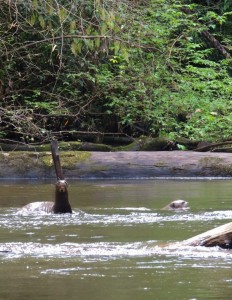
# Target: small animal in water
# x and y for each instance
(177, 205)
(60, 206)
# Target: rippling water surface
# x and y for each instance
(116, 243)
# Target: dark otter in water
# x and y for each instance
(61, 204)
(177, 205)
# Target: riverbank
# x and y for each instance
(122, 164)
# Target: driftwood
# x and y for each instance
(220, 236)
(213, 147)
(224, 150)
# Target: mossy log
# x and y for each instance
(123, 164)
(64, 146)
(142, 143)
(139, 144)
(149, 144)
(220, 236)
(215, 147)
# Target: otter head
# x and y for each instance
(61, 185)
(177, 205)
(62, 204)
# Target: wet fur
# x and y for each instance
(61, 204)
(177, 205)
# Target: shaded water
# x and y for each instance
(110, 247)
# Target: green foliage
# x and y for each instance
(134, 67)
(166, 92)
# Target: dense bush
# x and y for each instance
(158, 68)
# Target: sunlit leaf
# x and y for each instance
(42, 21)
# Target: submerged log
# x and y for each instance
(220, 236)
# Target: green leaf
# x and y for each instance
(72, 26)
(62, 13)
(42, 21)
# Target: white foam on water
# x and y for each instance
(126, 216)
(111, 250)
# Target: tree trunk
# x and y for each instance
(210, 38)
(216, 44)
(220, 236)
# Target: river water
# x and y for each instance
(114, 245)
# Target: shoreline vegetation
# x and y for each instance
(108, 72)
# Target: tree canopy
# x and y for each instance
(128, 67)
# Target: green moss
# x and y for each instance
(46, 159)
(68, 158)
(43, 147)
(217, 165)
(208, 161)
(154, 144)
(63, 146)
(134, 146)
(98, 168)
(38, 164)
(146, 144)
(160, 164)
(82, 146)
(23, 162)
(20, 161)
(67, 146)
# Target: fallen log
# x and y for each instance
(122, 164)
(68, 146)
(213, 147)
(220, 236)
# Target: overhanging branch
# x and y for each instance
(90, 37)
